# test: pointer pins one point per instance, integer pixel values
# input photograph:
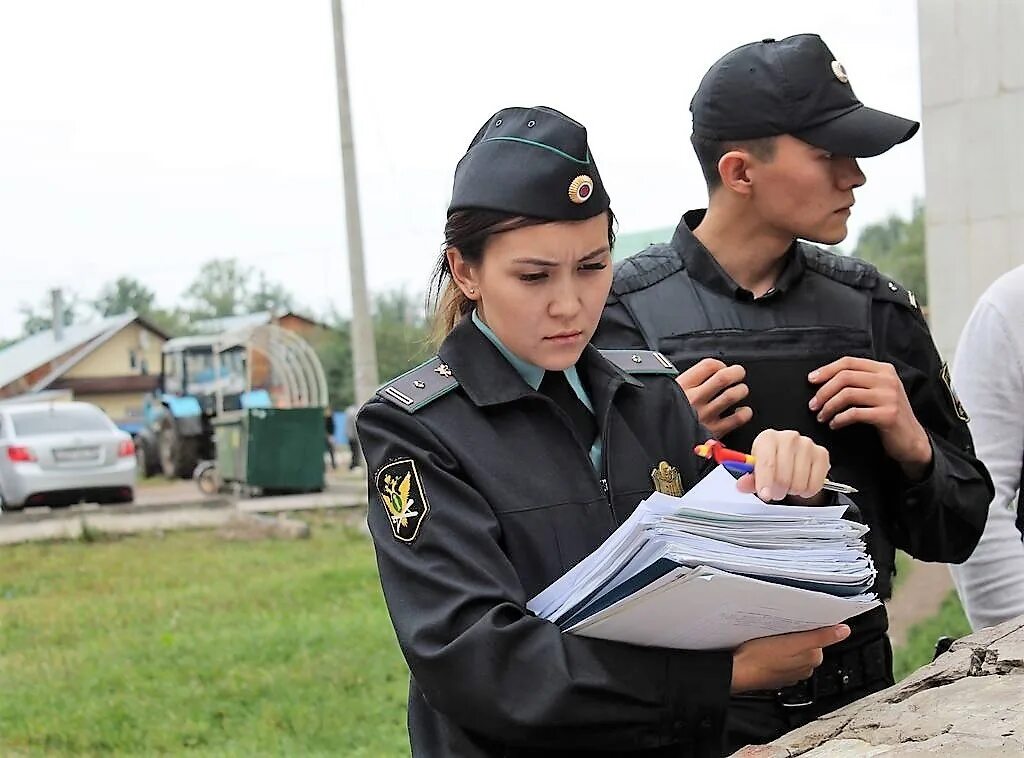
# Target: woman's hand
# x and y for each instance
(786, 464)
(769, 663)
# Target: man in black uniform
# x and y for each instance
(772, 332)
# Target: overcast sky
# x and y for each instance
(142, 138)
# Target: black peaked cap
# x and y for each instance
(792, 86)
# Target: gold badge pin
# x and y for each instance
(839, 72)
(667, 480)
(581, 188)
(401, 494)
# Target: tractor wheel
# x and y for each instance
(178, 454)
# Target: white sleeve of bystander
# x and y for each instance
(988, 375)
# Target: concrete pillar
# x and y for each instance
(972, 99)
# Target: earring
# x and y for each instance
(472, 290)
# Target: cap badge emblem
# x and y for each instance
(581, 188)
(839, 72)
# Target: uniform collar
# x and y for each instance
(701, 265)
(532, 374)
(488, 378)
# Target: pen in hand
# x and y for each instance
(742, 463)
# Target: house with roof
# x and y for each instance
(111, 362)
(304, 326)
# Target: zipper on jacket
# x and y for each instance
(605, 457)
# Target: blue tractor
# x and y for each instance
(208, 377)
(177, 432)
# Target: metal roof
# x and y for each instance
(232, 323)
(39, 349)
(238, 323)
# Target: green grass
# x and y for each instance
(920, 645)
(162, 645)
(154, 645)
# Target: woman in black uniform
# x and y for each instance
(502, 462)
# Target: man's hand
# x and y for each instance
(863, 391)
(772, 662)
(712, 389)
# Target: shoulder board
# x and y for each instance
(842, 268)
(892, 291)
(419, 387)
(647, 267)
(640, 362)
(858, 273)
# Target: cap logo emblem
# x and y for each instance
(839, 72)
(581, 188)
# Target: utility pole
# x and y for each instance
(364, 352)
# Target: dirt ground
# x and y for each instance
(918, 596)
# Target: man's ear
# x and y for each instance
(734, 170)
(464, 275)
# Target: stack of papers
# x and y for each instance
(713, 569)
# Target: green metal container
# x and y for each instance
(275, 449)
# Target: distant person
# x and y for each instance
(988, 374)
(329, 429)
(351, 432)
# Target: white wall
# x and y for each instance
(972, 96)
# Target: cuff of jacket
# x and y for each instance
(916, 494)
(698, 713)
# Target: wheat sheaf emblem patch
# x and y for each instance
(401, 494)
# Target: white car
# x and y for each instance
(63, 452)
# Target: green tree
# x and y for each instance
(123, 295)
(401, 336)
(173, 321)
(334, 349)
(269, 297)
(39, 319)
(896, 247)
(221, 288)
(400, 332)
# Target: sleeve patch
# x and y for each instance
(961, 412)
(401, 493)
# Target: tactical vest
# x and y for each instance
(687, 322)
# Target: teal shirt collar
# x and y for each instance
(532, 374)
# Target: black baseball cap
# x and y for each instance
(792, 86)
(530, 162)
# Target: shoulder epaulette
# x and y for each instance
(842, 268)
(420, 386)
(893, 292)
(858, 273)
(640, 362)
(647, 267)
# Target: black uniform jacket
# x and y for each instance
(676, 299)
(509, 501)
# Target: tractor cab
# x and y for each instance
(192, 367)
(211, 382)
